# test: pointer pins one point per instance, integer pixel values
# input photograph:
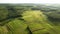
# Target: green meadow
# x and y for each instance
(29, 19)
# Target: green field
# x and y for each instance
(29, 19)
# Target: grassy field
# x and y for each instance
(19, 20)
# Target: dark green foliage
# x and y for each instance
(3, 14)
(11, 11)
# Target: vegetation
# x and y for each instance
(29, 19)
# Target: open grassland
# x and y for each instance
(27, 21)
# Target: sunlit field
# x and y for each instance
(29, 19)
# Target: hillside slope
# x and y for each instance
(22, 20)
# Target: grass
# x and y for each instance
(37, 22)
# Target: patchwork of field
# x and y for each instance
(29, 19)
